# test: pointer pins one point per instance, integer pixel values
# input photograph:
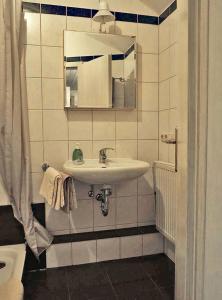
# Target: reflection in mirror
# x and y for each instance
(100, 70)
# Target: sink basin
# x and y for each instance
(113, 171)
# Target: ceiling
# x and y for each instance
(157, 6)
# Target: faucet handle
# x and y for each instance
(102, 154)
(103, 150)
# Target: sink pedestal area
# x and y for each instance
(113, 171)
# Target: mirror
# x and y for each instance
(100, 70)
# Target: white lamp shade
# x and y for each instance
(103, 15)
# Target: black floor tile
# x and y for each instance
(42, 293)
(148, 278)
(160, 268)
(134, 289)
(48, 284)
(121, 271)
(167, 293)
(89, 282)
(86, 276)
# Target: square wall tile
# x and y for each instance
(146, 209)
(85, 146)
(32, 28)
(173, 60)
(98, 145)
(174, 93)
(173, 27)
(147, 68)
(52, 27)
(34, 93)
(56, 220)
(52, 62)
(147, 38)
(126, 125)
(33, 61)
(56, 153)
(52, 93)
(59, 255)
(173, 119)
(148, 150)
(80, 125)
(163, 151)
(83, 252)
(79, 24)
(163, 122)
(131, 246)
(99, 219)
(36, 183)
(126, 210)
(35, 125)
(152, 243)
(81, 190)
(108, 249)
(82, 216)
(148, 125)
(55, 125)
(147, 96)
(164, 94)
(127, 188)
(36, 149)
(126, 28)
(164, 35)
(103, 125)
(126, 149)
(164, 65)
(145, 183)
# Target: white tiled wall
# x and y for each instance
(102, 250)
(168, 94)
(155, 8)
(54, 132)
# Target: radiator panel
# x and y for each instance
(166, 199)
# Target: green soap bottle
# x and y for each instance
(77, 155)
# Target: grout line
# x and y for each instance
(167, 48)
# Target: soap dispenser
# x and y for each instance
(77, 155)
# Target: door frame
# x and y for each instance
(193, 52)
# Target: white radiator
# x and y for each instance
(166, 198)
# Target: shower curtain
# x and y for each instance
(14, 132)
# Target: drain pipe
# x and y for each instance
(103, 197)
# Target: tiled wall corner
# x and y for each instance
(168, 93)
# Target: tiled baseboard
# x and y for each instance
(90, 251)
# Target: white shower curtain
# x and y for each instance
(14, 132)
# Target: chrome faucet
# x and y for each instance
(102, 155)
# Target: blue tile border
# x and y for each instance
(126, 17)
(89, 13)
(53, 9)
(168, 12)
(79, 12)
(148, 20)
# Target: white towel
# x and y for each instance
(58, 189)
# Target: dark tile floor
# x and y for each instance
(149, 278)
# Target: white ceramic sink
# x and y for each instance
(113, 171)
